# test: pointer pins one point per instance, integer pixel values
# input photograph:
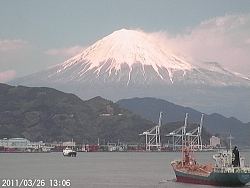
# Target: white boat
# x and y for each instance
(69, 152)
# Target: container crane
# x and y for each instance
(152, 136)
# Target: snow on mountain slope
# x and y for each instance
(125, 50)
(127, 64)
(128, 57)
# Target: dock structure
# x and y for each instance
(194, 136)
(180, 136)
(153, 137)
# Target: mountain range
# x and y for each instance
(215, 123)
(128, 63)
(46, 114)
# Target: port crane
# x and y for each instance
(152, 136)
(181, 137)
(194, 136)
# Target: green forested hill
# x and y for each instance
(50, 115)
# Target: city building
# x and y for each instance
(69, 144)
(20, 143)
(215, 141)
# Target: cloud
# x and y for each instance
(7, 75)
(13, 55)
(248, 41)
(222, 39)
(10, 45)
(71, 51)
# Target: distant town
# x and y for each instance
(23, 145)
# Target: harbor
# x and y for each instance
(151, 142)
(101, 169)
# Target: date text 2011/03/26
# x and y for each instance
(35, 183)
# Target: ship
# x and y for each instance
(69, 152)
(229, 169)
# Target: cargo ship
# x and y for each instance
(229, 169)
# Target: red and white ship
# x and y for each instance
(229, 169)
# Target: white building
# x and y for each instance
(214, 141)
(69, 144)
(20, 143)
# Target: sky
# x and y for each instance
(35, 35)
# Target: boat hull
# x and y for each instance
(69, 154)
(214, 178)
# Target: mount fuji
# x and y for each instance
(127, 63)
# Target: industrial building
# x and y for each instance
(20, 143)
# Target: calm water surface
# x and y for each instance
(99, 169)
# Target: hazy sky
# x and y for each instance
(35, 35)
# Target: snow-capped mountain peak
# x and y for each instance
(130, 46)
(128, 57)
(126, 48)
(128, 64)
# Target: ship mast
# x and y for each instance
(230, 141)
(184, 129)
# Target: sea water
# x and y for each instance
(95, 169)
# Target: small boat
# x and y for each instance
(69, 152)
(229, 169)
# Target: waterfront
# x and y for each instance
(99, 169)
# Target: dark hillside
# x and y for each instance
(50, 115)
(214, 123)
